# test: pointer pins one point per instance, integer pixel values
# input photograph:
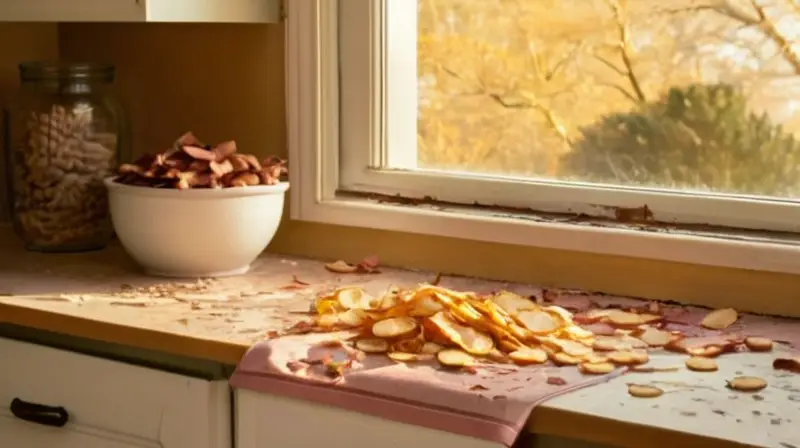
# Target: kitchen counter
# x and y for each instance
(101, 297)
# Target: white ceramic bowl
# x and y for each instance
(195, 233)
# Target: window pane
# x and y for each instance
(674, 94)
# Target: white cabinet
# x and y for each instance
(240, 11)
(62, 399)
(270, 421)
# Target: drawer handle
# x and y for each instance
(39, 413)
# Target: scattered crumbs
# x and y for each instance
(775, 421)
(788, 445)
(756, 412)
(758, 398)
(557, 381)
(688, 413)
(478, 387)
(183, 321)
(733, 397)
(655, 406)
(752, 365)
(514, 388)
(499, 397)
(719, 412)
(739, 372)
(738, 420)
(770, 414)
(702, 400)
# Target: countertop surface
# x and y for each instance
(103, 296)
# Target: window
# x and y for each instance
(631, 127)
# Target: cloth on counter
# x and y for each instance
(491, 402)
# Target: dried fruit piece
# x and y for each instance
(394, 327)
(453, 357)
(600, 368)
(709, 351)
(527, 356)
(372, 345)
(341, 267)
(356, 298)
(624, 319)
(757, 344)
(539, 322)
(628, 358)
(594, 358)
(513, 303)
(468, 338)
(747, 383)
(408, 357)
(644, 391)
(353, 318)
(653, 336)
(563, 359)
(720, 319)
(701, 364)
(788, 364)
(430, 348)
(572, 348)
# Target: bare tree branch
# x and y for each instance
(624, 44)
(532, 103)
(622, 90)
(610, 65)
(759, 19)
(769, 28)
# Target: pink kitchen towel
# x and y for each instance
(492, 402)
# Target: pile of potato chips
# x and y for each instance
(463, 329)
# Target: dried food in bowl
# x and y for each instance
(189, 163)
(200, 231)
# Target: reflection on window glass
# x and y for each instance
(677, 94)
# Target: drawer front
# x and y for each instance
(109, 400)
(18, 433)
(266, 421)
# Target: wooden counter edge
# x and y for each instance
(595, 429)
(544, 420)
(116, 333)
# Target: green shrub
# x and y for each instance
(695, 137)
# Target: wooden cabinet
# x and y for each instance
(94, 402)
(238, 11)
(267, 421)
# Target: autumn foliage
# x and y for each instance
(572, 88)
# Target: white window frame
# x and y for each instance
(336, 134)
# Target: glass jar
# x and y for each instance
(64, 132)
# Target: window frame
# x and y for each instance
(337, 135)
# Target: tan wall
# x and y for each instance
(226, 81)
(19, 42)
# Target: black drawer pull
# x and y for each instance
(38, 413)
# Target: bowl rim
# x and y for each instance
(194, 193)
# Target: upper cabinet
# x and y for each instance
(223, 11)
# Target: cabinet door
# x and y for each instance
(271, 421)
(107, 401)
(17, 433)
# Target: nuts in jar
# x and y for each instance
(59, 197)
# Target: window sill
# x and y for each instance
(727, 248)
